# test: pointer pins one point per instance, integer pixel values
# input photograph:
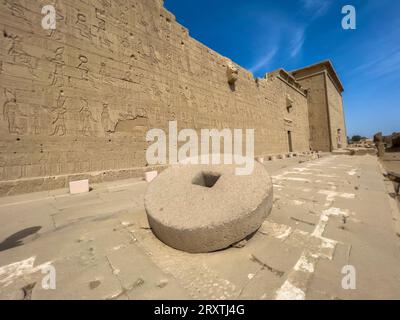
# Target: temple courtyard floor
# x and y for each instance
(332, 234)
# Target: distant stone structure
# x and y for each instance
(396, 140)
(393, 140)
(78, 100)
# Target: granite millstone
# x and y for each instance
(204, 208)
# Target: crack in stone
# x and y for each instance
(276, 272)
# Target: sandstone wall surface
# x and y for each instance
(78, 100)
(336, 114)
(317, 108)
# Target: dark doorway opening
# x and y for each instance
(290, 141)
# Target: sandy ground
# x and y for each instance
(328, 213)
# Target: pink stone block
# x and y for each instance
(81, 186)
(150, 176)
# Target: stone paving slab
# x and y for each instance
(327, 213)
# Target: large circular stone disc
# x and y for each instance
(203, 208)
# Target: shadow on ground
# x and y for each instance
(16, 239)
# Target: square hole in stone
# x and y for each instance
(206, 179)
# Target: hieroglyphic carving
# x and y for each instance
(165, 25)
(106, 122)
(57, 77)
(105, 3)
(132, 114)
(105, 76)
(86, 118)
(154, 55)
(84, 70)
(36, 121)
(183, 59)
(138, 48)
(168, 76)
(101, 33)
(168, 60)
(124, 44)
(82, 26)
(128, 115)
(141, 113)
(123, 11)
(12, 113)
(59, 127)
(19, 55)
(155, 92)
(17, 10)
(143, 22)
(82, 66)
(129, 73)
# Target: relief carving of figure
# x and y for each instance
(106, 122)
(59, 112)
(105, 76)
(87, 119)
(19, 55)
(11, 112)
(57, 77)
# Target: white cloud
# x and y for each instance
(264, 61)
(316, 7)
(387, 63)
(296, 44)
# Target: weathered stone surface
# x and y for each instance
(232, 73)
(203, 208)
(327, 123)
(114, 246)
(78, 100)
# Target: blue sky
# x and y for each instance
(263, 35)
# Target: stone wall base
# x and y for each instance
(20, 186)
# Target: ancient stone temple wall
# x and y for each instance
(336, 115)
(78, 100)
(325, 105)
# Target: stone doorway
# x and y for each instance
(289, 133)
